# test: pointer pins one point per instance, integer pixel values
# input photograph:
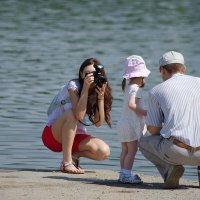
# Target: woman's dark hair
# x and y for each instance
(91, 109)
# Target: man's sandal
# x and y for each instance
(70, 168)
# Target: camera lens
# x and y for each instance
(99, 78)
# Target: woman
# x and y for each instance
(65, 130)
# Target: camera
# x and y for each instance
(99, 78)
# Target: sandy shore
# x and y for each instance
(98, 184)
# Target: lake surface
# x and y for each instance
(43, 43)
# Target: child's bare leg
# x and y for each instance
(130, 156)
(124, 150)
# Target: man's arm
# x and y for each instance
(155, 116)
(154, 130)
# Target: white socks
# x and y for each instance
(125, 172)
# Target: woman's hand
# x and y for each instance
(100, 115)
(80, 104)
(88, 80)
(100, 91)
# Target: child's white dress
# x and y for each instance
(131, 126)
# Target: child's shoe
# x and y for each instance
(120, 177)
(130, 179)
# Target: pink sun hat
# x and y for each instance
(135, 67)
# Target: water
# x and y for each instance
(42, 44)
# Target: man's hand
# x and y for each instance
(154, 130)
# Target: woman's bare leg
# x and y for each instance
(93, 148)
(64, 130)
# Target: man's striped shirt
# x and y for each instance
(174, 105)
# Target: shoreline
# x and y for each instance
(94, 184)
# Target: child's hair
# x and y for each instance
(123, 84)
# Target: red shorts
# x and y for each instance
(51, 143)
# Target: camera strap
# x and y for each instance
(87, 124)
(90, 120)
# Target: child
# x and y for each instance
(131, 125)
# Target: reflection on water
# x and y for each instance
(43, 44)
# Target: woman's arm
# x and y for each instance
(100, 114)
(79, 104)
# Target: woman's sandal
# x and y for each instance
(70, 168)
(76, 163)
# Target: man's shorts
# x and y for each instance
(51, 143)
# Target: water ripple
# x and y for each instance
(43, 44)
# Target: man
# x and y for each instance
(173, 120)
